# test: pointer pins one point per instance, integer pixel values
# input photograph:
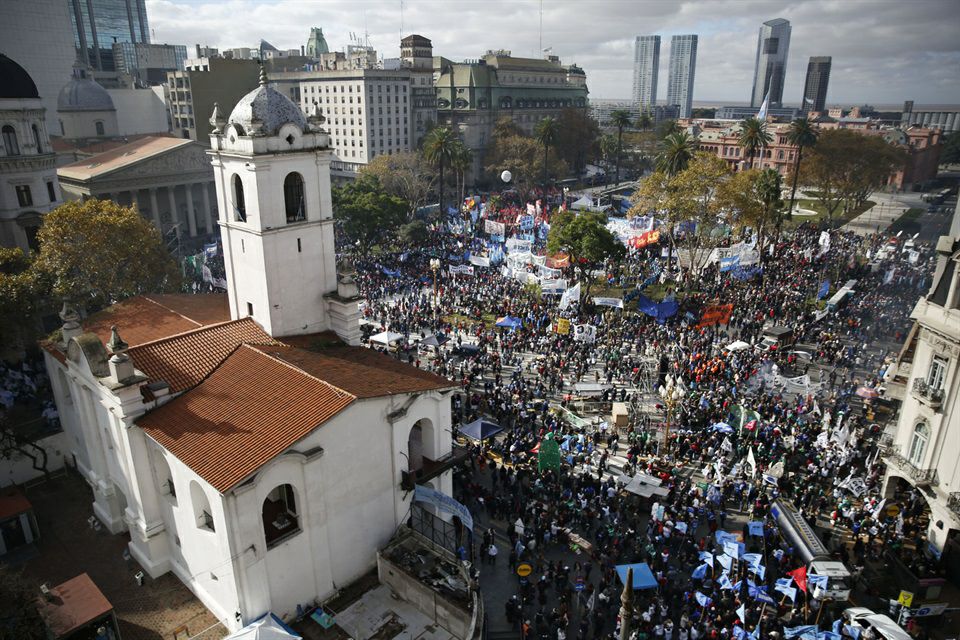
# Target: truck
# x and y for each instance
(811, 550)
(775, 338)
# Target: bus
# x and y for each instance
(842, 295)
(811, 550)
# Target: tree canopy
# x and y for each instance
(578, 139)
(96, 252)
(521, 155)
(367, 214)
(405, 175)
(585, 238)
(752, 198)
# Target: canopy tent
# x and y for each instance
(583, 203)
(269, 627)
(739, 345)
(386, 337)
(646, 486)
(591, 388)
(642, 576)
(509, 322)
(435, 340)
(481, 429)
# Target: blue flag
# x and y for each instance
(756, 528)
(700, 572)
(724, 582)
(824, 290)
(802, 631)
(742, 613)
(703, 600)
(853, 630)
(753, 559)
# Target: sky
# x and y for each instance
(884, 51)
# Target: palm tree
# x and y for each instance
(753, 137)
(676, 151)
(439, 148)
(801, 134)
(547, 131)
(644, 122)
(620, 119)
(461, 162)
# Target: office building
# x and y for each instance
(646, 66)
(38, 35)
(99, 24)
(815, 86)
(742, 113)
(773, 45)
(601, 110)
(192, 92)
(683, 66)
(472, 96)
(416, 54)
(148, 64)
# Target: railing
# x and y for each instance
(953, 502)
(432, 468)
(927, 394)
(921, 477)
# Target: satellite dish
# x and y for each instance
(506, 176)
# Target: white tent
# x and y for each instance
(268, 627)
(386, 338)
(583, 203)
(739, 345)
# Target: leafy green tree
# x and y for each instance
(367, 214)
(802, 135)
(666, 128)
(23, 297)
(621, 120)
(461, 162)
(97, 252)
(951, 149)
(752, 197)
(547, 132)
(585, 238)
(578, 139)
(692, 200)
(414, 233)
(405, 175)
(439, 147)
(753, 137)
(521, 155)
(675, 153)
(644, 122)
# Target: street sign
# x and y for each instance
(906, 598)
(524, 569)
(579, 585)
(930, 610)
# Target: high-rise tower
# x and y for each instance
(98, 24)
(646, 63)
(815, 86)
(773, 44)
(683, 66)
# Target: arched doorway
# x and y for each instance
(415, 448)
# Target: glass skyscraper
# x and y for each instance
(99, 24)
(815, 87)
(646, 64)
(683, 66)
(773, 44)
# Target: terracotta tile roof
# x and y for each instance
(248, 411)
(156, 316)
(184, 360)
(363, 372)
(73, 604)
(13, 502)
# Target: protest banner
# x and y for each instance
(494, 228)
(716, 314)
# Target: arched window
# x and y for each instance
(918, 443)
(239, 204)
(10, 144)
(280, 517)
(36, 138)
(99, 125)
(201, 507)
(164, 477)
(293, 198)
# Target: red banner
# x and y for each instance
(645, 239)
(716, 314)
(558, 261)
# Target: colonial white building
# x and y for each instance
(926, 447)
(236, 438)
(28, 174)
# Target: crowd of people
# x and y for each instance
(751, 426)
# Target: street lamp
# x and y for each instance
(671, 393)
(435, 267)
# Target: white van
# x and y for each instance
(882, 626)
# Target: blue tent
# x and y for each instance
(481, 429)
(642, 576)
(509, 322)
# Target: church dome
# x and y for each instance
(15, 82)
(83, 93)
(266, 109)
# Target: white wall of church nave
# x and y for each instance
(65, 398)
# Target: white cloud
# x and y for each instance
(883, 51)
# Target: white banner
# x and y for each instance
(462, 269)
(518, 246)
(608, 302)
(585, 333)
(555, 285)
(570, 296)
(494, 228)
(480, 261)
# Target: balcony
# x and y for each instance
(433, 468)
(931, 396)
(921, 477)
(953, 503)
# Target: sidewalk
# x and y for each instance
(875, 219)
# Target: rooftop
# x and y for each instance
(73, 604)
(120, 157)
(157, 316)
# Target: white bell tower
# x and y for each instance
(272, 172)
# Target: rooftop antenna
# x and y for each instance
(401, 19)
